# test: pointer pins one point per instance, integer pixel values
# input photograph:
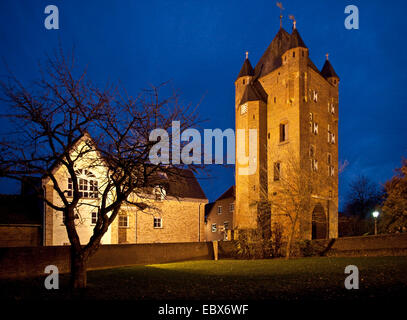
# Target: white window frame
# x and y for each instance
(158, 223)
(231, 207)
(214, 228)
(219, 210)
(127, 221)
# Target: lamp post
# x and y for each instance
(375, 214)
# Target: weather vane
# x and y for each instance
(293, 19)
(280, 5)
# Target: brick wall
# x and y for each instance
(380, 245)
(219, 219)
(26, 262)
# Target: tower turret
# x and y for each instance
(329, 73)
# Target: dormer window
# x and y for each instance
(159, 193)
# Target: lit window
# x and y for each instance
(94, 217)
(331, 171)
(315, 96)
(87, 185)
(219, 209)
(226, 225)
(158, 223)
(243, 108)
(123, 221)
(314, 164)
(214, 227)
(315, 128)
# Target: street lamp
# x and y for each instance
(375, 214)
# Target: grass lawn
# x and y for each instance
(280, 280)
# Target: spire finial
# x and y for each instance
(294, 21)
(327, 55)
(280, 5)
(247, 54)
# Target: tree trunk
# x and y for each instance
(290, 238)
(78, 270)
(288, 248)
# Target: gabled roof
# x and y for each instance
(182, 183)
(229, 193)
(253, 92)
(328, 71)
(271, 58)
(246, 70)
(296, 40)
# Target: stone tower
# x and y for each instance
(293, 106)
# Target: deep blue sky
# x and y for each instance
(200, 45)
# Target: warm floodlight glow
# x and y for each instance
(375, 214)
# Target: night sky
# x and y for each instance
(200, 46)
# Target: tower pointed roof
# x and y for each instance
(328, 71)
(247, 69)
(296, 40)
(271, 58)
(253, 92)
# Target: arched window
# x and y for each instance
(87, 184)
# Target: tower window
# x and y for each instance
(243, 108)
(314, 164)
(244, 81)
(293, 54)
(311, 151)
(315, 96)
(329, 158)
(283, 132)
(275, 99)
(315, 128)
(268, 135)
(277, 171)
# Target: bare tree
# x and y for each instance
(65, 123)
(363, 196)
